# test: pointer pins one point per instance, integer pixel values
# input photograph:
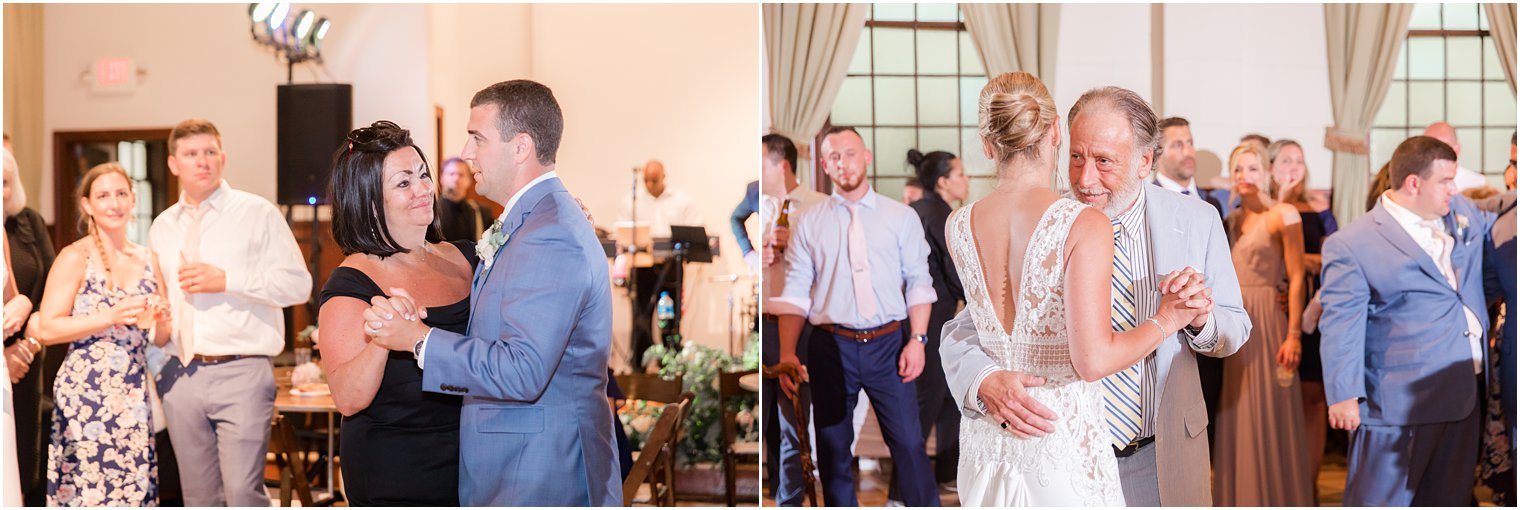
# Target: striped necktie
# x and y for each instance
(1121, 391)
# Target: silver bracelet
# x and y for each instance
(1158, 325)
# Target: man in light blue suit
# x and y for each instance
(1403, 335)
(535, 427)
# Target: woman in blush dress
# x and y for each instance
(1260, 458)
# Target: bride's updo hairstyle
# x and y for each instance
(1014, 115)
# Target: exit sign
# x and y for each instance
(114, 75)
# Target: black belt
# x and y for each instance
(1133, 446)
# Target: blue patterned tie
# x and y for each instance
(1121, 391)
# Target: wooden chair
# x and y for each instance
(643, 386)
(809, 481)
(656, 460)
(729, 391)
(650, 387)
(290, 460)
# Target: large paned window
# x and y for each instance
(1448, 70)
(913, 83)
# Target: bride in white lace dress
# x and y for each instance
(1037, 268)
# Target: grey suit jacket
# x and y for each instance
(535, 429)
(1183, 232)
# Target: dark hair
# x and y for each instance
(1415, 156)
(928, 168)
(1171, 122)
(526, 106)
(834, 130)
(356, 190)
(1253, 137)
(777, 146)
(912, 182)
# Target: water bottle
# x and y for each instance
(665, 311)
(1284, 376)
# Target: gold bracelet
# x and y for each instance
(36, 346)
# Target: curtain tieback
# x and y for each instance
(1346, 140)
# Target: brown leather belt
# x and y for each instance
(213, 360)
(862, 335)
(1133, 446)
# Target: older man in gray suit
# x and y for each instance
(535, 428)
(1168, 462)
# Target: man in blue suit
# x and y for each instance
(535, 429)
(1403, 335)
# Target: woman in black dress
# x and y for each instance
(944, 181)
(400, 444)
(1290, 175)
(34, 365)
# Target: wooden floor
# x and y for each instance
(873, 484)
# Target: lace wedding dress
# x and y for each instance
(1074, 466)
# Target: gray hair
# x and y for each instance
(17, 201)
(1142, 119)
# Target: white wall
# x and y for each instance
(201, 62)
(673, 82)
(1250, 68)
(472, 47)
(1100, 45)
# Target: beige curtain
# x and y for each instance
(1015, 37)
(808, 49)
(1501, 26)
(1363, 43)
(23, 93)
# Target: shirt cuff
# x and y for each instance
(921, 296)
(781, 305)
(1206, 339)
(422, 351)
(233, 285)
(972, 399)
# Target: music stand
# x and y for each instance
(690, 243)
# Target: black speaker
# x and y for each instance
(314, 120)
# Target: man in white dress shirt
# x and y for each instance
(659, 204)
(1178, 164)
(779, 191)
(857, 265)
(231, 264)
(1466, 179)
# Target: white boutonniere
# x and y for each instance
(1462, 228)
(490, 241)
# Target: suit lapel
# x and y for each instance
(1391, 230)
(1167, 238)
(513, 220)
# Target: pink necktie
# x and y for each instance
(860, 265)
(191, 252)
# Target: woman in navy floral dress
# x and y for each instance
(105, 298)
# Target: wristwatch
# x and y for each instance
(921, 338)
(417, 347)
(1192, 331)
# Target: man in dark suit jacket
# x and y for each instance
(1177, 165)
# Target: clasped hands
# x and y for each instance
(1004, 394)
(395, 323)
